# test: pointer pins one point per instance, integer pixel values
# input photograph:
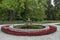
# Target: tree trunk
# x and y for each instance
(10, 15)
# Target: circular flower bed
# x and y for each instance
(29, 32)
(29, 27)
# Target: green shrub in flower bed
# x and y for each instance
(58, 24)
(29, 27)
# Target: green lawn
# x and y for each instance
(58, 24)
(29, 27)
(17, 22)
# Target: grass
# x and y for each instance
(29, 27)
(58, 24)
(10, 22)
(18, 22)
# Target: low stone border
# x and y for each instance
(29, 32)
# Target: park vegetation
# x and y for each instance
(36, 10)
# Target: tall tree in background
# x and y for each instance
(57, 8)
(51, 15)
(35, 9)
(3, 13)
(10, 6)
(13, 7)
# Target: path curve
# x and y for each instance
(53, 36)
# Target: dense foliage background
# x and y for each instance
(36, 10)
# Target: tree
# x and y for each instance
(57, 8)
(10, 5)
(14, 7)
(50, 12)
(35, 9)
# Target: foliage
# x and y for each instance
(57, 8)
(12, 8)
(36, 10)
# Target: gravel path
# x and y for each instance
(53, 36)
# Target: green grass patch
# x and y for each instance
(29, 27)
(11, 22)
(58, 24)
(18, 22)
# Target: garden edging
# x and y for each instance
(49, 29)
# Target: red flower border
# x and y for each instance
(51, 29)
